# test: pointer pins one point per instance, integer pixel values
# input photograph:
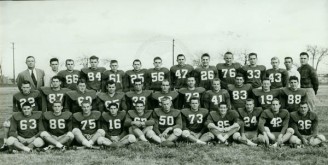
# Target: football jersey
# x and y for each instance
(132, 97)
(57, 125)
(75, 98)
(212, 99)
(253, 75)
(155, 77)
(250, 119)
(264, 99)
(157, 96)
(291, 99)
(275, 122)
(220, 121)
(194, 120)
(185, 94)
(34, 98)
(204, 76)
(165, 120)
(131, 75)
(227, 73)
(49, 96)
(239, 95)
(93, 77)
(304, 125)
(69, 79)
(104, 100)
(113, 125)
(117, 77)
(278, 77)
(26, 126)
(179, 75)
(87, 124)
(132, 115)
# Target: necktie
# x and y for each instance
(34, 79)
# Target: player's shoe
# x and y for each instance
(4, 147)
(49, 147)
(63, 148)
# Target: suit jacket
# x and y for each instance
(25, 75)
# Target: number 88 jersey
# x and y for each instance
(26, 126)
(57, 125)
(306, 125)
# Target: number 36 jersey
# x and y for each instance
(304, 125)
(26, 126)
(87, 124)
(57, 125)
(275, 122)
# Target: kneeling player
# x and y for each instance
(113, 124)
(86, 125)
(193, 120)
(25, 129)
(223, 123)
(305, 123)
(273, 125)
(58, 127)
(140, 123)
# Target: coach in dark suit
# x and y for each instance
(31, 74)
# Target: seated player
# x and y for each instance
(113, 124)
(157, 96)
(25, 129)
(58, 127)
(138, 94)
(213, 97)
(140, 123)
(305, 125)
(193, 119)
(86, 125)
(223, 123)
(111, 96)
(263, 97)
(191, 91)
(273, 125)
(168, 122)
(239, 92)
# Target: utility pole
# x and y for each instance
(13, 61)
(173, 53)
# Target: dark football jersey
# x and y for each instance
(87, 124)
(304, 125)
(131, 75)
(194, 120)
(132, 97)
(93, 77)
(165, 120)
(26, 126)
(69, 79)
(49, 96)
(229, 119)
(157, 96)
(291, 99)
(239, 95)
(278, 77)
(204, 76)
(250, 119)
(113, 125)
(185, 94)
(155, 77)
(264, 99)
(275, 122)
(57, 125)
(227, 73)
(34, 98)
(253, 75)
(104, 100)
(75, 98)
(179, 75)
(117, 77)
(132, 115)
(212, 99)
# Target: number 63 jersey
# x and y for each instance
(57, 125)
(87, 124)
(275, 122)
(26, 126)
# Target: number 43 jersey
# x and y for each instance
(113, 125)
(194, 120)
(275, 122)
(26, 126)
(57, 125)
(87, 124)
(227, 120)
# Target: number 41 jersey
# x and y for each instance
(87, 124)
(57, 125)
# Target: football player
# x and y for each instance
(263, 97)
(213, 97)
(227, 71)
(115, 75)
(239, 92)
(205, 73)
(70, 76)
(253, 73)
(156, 75)
(86, 125)
(25, 129)
(111, 96)
(292, 71)
(276, 75)
(58, 127)
(273, 125)
(93, 74)
(138, 94)
(191, 91)
(132, 75)
(157, 96)
(180, 72)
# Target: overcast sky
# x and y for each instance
(126, 30)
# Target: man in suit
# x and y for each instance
(31, 74)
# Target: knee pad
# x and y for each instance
(6, 124)
(76, 131)
(150, 133)
(177, 132)
(101, 132)
(38, 142)
(236, 135)
(185, 133)
(44, 134)
(11, 140)
(290, 130)
(321, 137)
(70, 135)
(132, 138)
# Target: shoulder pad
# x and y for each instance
(18, 115)
(184, 111)
(78, 116)
(148, 112)
(182, 90)
(200, 89)
(46, 90)
(313, 115)
(102, 95)
(72, 95)
(132, 113)
(175, 112)
(203, 110)
(230, 86)
(47, 115)
(96, 114)
(148, 92)
(36, 114)
(121, 113)
(66, 114)
(293, 115)
(129, 94)
(65, 90)
(157, 111)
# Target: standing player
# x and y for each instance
(132, 75)
(293, 96)
(115, 75)
(156, 75)
(86, 125)
(227, 71)
(305, 125)
(58, 127)
(157, 96)
(53, 93)
(111, 96)
(277, 76)
(138, 94)
(239, 92)
(180, 72)
(212, 98)
(69, 76)
(253, 73)
(191, 91)
(54, 64)
(273, 125)
(263, 97)
(93, 74)
(291, 70)
(205, 73)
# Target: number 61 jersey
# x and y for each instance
(275, 122)
(57, 125)
(87, 124)
(26, 126)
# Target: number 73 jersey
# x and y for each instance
(193, 120)
(87, 124)
(275, 122)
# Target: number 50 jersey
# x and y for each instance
(165, 120)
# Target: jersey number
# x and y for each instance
(275, 77)
(236, 95)
(266, 99)
(54, 124)
(135, 76)
(115, 77)
(30, 124)
(294, 99)
(53, 97)
(304, 124)
(276, 122)
(223, 124)
(253, 74)
(198, 120)
(114, 124)
(232, 72)
(249, 121)
(191, 94)
(157, 76)
(91, 123)
(166, 120)
(207, 75)
(92, 76)
(215, 99)
(181, 73)
(72, 79)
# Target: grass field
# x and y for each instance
(182, 154)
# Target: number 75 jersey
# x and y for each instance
(87, 124)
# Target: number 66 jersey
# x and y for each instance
(275, 122)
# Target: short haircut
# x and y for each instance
(275, 58)
(266, 79)
(26, 82)
(81, 81)
(157, 58)
(252, 54)
(136, 60)
(57, 101)
(30, 57)
(112, 104)
(137, 80)
(139, 102)
(240, 75)
(293, 78)
(250, 99)
(304, 103)
(68, 60)
(56, 77)
(53, 60)
(165, 98)
(275, 99)
(286, 58)
(113, 61)
(109, 82)
(191, 77)
(94, 57)
(27, 104)
(223, 103)
(194, 98)
(85, 102)
(304, 54)
(181, 55)
(205, 55)
(216, 79)
(228, 53)
(166, 80)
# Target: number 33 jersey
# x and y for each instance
(87, 124)
(57, 125)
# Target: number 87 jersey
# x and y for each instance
(275, 122)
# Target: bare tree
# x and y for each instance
(317, 54)
(240, 56)
(83, 60)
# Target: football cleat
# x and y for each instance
(50, 147)
(4, 147)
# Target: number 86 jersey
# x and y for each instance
(57, 125)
